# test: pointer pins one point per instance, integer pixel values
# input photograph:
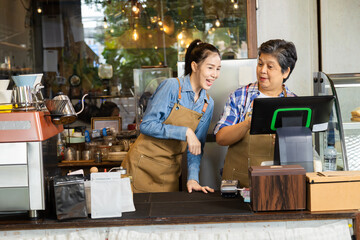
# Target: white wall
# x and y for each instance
(292, 20)
(340, 36)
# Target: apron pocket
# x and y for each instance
(152, 175)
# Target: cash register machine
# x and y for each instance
(293, 120)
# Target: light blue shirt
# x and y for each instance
(159, 108)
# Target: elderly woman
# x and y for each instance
(276, 61)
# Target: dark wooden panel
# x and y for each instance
(203, 213)
(141, 198)
(187, 197)
(285, 192)
(181, 209)
(278, 188)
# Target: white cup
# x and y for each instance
(5, 96)
(4, 83)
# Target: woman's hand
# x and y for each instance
(194, 145)
(194, 185)
(248, 120)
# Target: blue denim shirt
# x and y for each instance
(159, 108)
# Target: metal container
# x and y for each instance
(23, 96)
(86, 155)
(63, 110)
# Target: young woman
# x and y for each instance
(276, 61)
(177, 118)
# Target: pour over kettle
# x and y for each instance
(63, 110)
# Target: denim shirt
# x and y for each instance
(159, 108)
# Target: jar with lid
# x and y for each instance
(104, 151)
(92, 147)
(109, 140)
(97, 156)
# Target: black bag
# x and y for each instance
(69, 192)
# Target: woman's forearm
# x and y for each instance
(231, 134)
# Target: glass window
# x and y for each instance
(94, 45)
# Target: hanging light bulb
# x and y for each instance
(105, 23)
(135, 9)
(135, 35)
(236, 6)
(39, 10)
(160, 23)
(180, 36)
(217, 23)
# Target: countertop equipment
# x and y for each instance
(21, 160)
(229, 188)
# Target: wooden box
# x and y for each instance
(274, 188)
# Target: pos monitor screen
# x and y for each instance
(293, 120)
(312, 112)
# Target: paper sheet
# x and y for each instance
(50, 60)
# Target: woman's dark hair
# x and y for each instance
(197, 52)
(283, 51)
(107, 108)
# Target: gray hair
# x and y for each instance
(283, 51)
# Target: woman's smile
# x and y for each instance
(210, 82)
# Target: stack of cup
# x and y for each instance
(5, 96)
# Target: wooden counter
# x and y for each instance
(177, 208)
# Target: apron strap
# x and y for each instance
(284, 90)
(205, 104)
(179, 95)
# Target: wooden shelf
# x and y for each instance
(88, 163)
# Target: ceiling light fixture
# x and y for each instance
(217, 22)
(135, 35)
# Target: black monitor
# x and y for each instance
(293, 119)
(268, 113)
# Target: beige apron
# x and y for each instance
(251, 150)
(155, 164)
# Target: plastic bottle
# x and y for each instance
(330, 158)
(96, 133)
(60, 147)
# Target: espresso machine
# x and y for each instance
(22, 135)
(24, 128)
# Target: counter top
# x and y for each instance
(176, 208)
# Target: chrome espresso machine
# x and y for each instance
(24, 127)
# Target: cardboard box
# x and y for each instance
(274, 188)
(338, 190)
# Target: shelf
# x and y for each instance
(351, 125)
(14, 45)
(345, 80)
(101, 96)
(88, 164)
